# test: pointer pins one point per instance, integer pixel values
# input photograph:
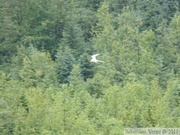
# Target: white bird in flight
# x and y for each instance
(94, 58)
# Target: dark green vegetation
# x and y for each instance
(49, 87)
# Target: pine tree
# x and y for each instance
(10, 93)
(153, 12)
(33, 67)
(64, 64)
(75, 77)
(87, 69)
(168, 50)
(104, 32)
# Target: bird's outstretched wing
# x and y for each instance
(94, 56)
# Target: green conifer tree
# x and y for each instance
(64, 64)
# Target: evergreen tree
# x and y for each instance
(33, 67)
(75, 77)
(153, 12)
(10, 94)
(87, 69)
(168, 50)
(137, 85)
(64, 64)
(104, 32)
(73, 37)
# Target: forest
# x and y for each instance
(48, 86)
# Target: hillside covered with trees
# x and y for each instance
(48, 86)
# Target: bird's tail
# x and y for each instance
(100, 61)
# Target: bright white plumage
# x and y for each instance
(94, 58)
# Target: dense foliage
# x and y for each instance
(48, 86)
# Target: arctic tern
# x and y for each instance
(94, 58)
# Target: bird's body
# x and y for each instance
(94, 58)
